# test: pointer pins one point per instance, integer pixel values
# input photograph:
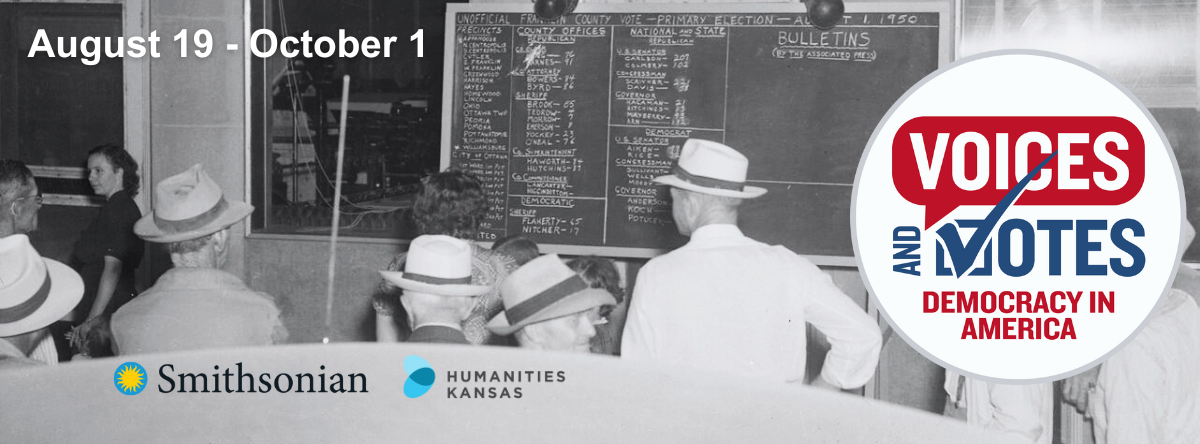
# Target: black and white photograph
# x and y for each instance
(295, 221)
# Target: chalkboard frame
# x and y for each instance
(947, 29)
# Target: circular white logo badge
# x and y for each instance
(1017, 216)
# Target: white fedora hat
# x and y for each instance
(711, 168)
(439, 265)
(543, 289)
(34, 291)
(189, 205)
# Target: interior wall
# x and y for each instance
(197, 106)
(295, 271)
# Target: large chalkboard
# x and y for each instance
(567, 121)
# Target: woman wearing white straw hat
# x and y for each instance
(34, 292)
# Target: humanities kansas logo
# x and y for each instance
(420, 376)
(130, 378)
(1017, 216)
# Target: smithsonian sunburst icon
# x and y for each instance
(130, 378)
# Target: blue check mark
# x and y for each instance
(962, 256)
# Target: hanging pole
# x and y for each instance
(337, 210)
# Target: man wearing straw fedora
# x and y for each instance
(549, 307)
(437, 292)
(195, 305)
(728, 303)
(34, 293)
(19, 205)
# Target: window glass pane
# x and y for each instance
(53, 110)
(393, 127)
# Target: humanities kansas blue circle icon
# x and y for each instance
(130, 378)
(420, 376)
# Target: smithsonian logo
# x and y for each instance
(131, 378)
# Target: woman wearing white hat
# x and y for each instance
(549, 307)
(34, 292)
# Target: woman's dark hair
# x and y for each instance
(599, 272)
(451, 203)
(119, 158)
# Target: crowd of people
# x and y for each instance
(194, 305)
(723, 302)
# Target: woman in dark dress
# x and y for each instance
(108, 252)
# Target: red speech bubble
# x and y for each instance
(945, 162)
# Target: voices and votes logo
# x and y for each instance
(1017, 216)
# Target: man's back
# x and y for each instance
(196, 308)
(727, 303)
(1150, 386)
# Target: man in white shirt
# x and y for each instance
(1149, 391)
(1024, 412)
(728, 303)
